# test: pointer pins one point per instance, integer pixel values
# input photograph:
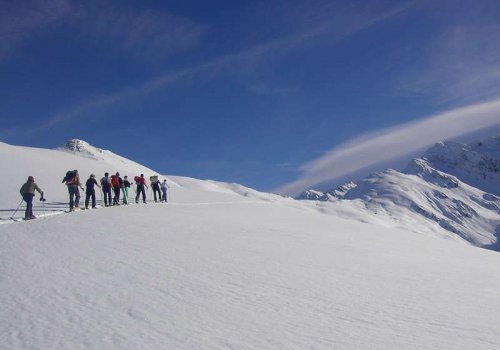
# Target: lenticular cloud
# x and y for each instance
(392, 143)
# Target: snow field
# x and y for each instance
(226, 267)
(239, 275)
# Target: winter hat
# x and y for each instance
(31, 178)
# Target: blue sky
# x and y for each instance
(262, 93)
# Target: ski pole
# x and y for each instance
(19, 206)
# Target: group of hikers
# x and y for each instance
(108, 185)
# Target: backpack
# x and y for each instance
(114, 181)
(105, 183)
(70, 177)
(138, 181)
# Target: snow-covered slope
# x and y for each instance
(225, 267)
(446, 188)
(49, 167)
(465, 162)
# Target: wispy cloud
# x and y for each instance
(140, 34)
(392, 143)
(461, 64)
(238, 64)
(21, 21)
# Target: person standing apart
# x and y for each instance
(28, 192)
(164, 188)
(73, 183)
(90, 191)
(126, 186)
(106, 189)
(140, 183)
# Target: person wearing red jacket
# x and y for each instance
(140, 183)
(116, 182)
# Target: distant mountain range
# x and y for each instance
(454, 186)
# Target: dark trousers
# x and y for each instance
(74, 196)
(140, 189)
(107, 195)
(28, 198)
(116, 200)
(89, 195)
(156, 189)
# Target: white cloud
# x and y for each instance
(393, 143)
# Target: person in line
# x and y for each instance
(164, 188)
(106, 189)
(116, 182)
(155, 185)
(90, 191)
(140, 183)
(126, 186)
(28, 192)
(73, 183)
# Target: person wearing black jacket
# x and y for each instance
(90, 192)
(155, 185)
(106, 189)
(125, 185)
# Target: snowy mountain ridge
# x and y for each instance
(82, 148)
(453, 186)
(481, 170)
